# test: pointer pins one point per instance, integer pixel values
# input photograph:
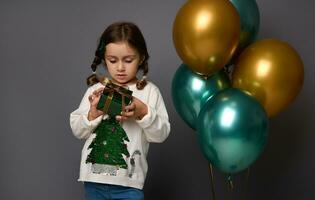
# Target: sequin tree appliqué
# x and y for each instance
(108, 147)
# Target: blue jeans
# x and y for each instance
(98, 191)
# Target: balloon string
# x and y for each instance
(230, 182)
(212, 182)
(230, 185)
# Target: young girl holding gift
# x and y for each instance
(123, 51)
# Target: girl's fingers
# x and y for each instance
(94, 99)
(125, 115)
(120, 118)
(98, 91)
(128, 114)
(91, 98)
(130, 107)
(100, 112)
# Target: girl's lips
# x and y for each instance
(121, 76)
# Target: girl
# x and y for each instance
(123, 51)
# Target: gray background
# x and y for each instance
(45, 52)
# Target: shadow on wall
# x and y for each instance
(288, 135)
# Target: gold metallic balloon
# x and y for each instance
(272, 72)
(206, 34)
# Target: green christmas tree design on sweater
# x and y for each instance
(108, 146)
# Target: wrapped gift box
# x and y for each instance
(113, 98)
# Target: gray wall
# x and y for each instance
(45, 52)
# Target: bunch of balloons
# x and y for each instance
(230, 113)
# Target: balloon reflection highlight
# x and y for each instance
(228, 117)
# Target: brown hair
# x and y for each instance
(118, 32)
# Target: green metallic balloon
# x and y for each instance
(190, 91)
(250, 19)
(232, 130)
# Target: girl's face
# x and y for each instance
(122, 62)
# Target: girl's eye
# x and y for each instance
(112, 61)
(128, 61)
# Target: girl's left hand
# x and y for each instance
(137, 109)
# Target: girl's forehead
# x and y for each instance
(120, 48)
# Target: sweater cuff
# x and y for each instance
(93, 123)
(148, 119)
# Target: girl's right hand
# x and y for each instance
(94, 99)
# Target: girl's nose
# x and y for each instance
(121, 66)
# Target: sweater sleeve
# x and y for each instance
(155, 123)
(79, 123)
